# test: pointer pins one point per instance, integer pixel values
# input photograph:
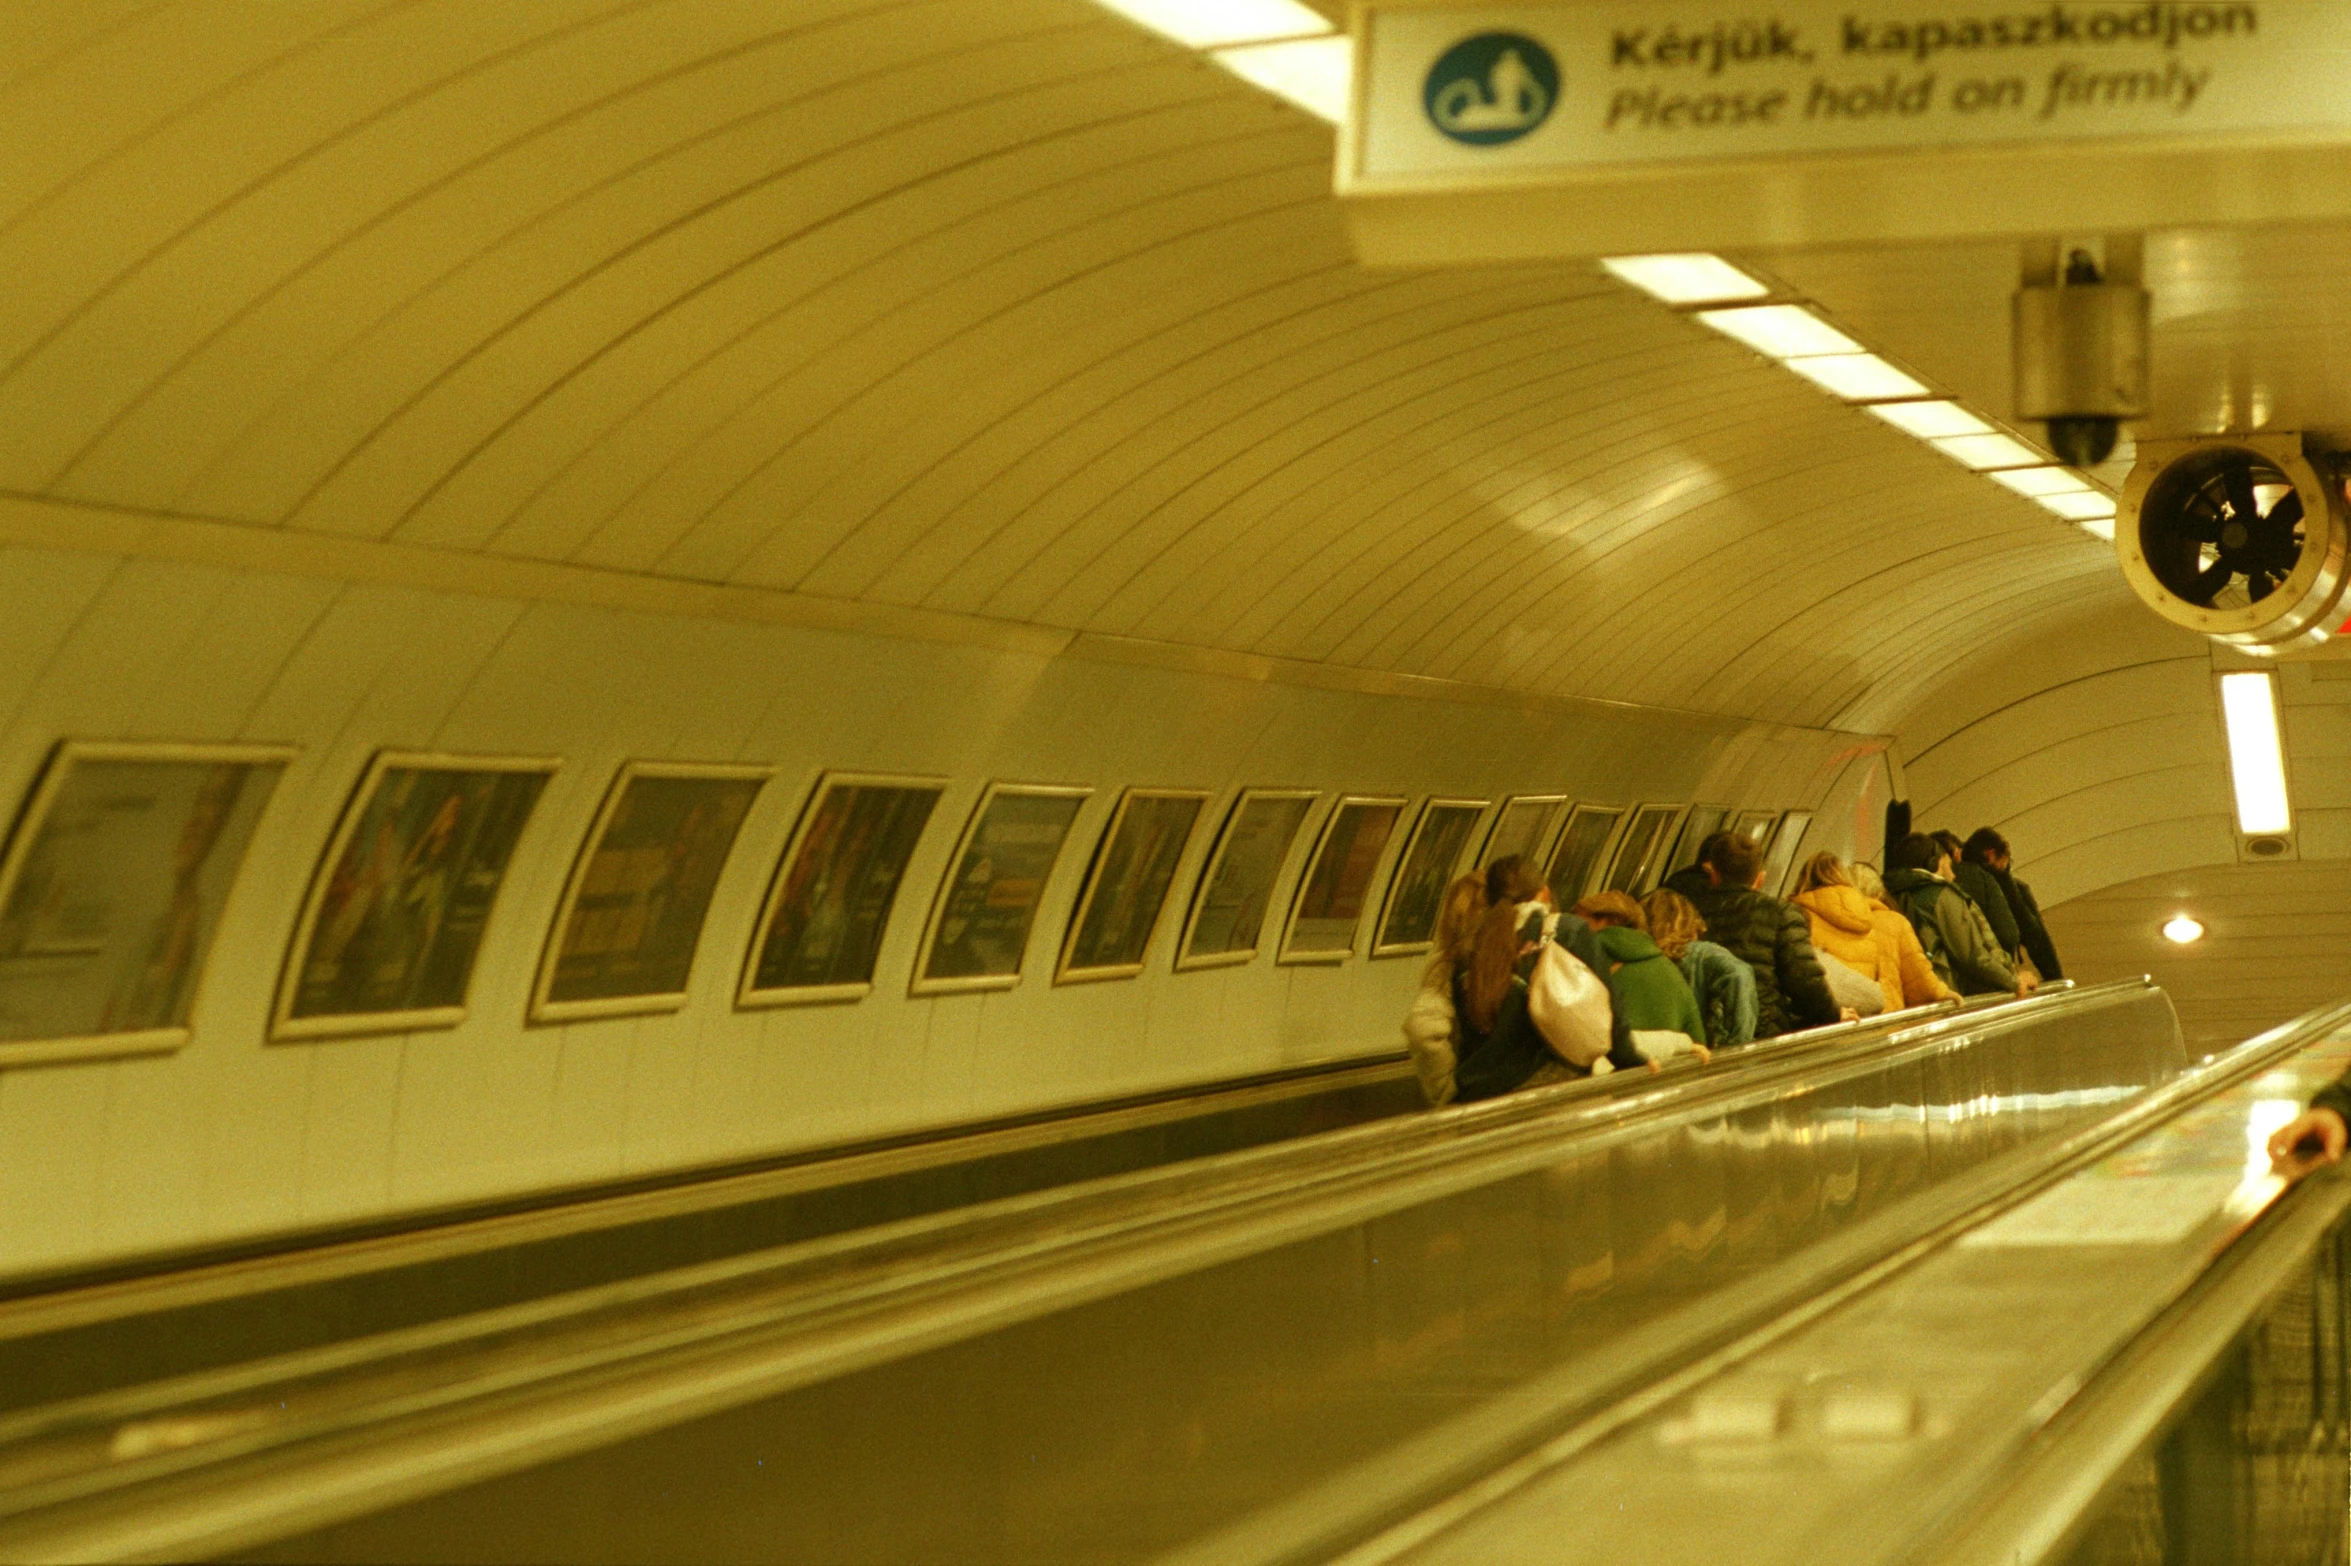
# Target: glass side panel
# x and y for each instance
(2256, 1469)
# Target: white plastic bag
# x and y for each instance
(1851, 986)
(1569, 1006)
(1663, 1044)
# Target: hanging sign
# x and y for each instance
(1588, 127)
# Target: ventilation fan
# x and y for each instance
(2240, 537)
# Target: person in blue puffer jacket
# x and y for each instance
(1723, 985)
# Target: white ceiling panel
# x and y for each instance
(2272, 947)
(1012, 310)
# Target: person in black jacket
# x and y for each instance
(1988, 849)
(2326, 1124)
(1768, 935)
(1972, 875)
(1690, 879)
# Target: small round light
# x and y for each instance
(2181, 930)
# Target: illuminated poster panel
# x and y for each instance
(830, 902)
(1523, 827)
(1126, 888)
(111, 891)
(1432, 858)
(1228, 910)
(1640, 857)
(1582, 849)
(397, 912)
(624, 935)
(1331, 899)
(979, 930)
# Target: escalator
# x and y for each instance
(2135, 1357)
(1280, 1352)
(157, 1317)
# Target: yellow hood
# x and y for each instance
(1841, 906)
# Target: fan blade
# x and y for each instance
(2287, 513)
(2238, 476)
(2209, 582)
(2261, 583)
(2201, 519)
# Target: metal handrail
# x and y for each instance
(1835, 1278)
(525, 1382)
(694, 1194)
(40, 1302)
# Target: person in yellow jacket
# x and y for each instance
(1921, 985)
(1866, 935)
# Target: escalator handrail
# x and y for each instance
(153, 1285)
(2124, 1404)
(907, 1299)
(1821, 1283)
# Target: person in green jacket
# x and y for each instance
(1950, 926)
(1651, 994)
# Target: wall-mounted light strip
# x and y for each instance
(1287, 48)
(1725, 297)
(2257, 758)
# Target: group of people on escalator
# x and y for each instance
(1519, 993)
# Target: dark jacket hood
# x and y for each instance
(1900, 881)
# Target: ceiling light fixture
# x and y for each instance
(1687, 279)
(2036, 482)
(2257, 759)
(1856, 377)
(1783, 331)
(1217, 24)
(1930, 420)
(1801, 341)
(2180, 930)
(2088, 506)
(1313, 73)
(1990, 451)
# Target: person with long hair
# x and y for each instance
(1498, 1048)
(1845, 936)
(1429, 1025)
(1723, 986)
(1650, 989)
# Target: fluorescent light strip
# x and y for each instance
(1312, 73)
(1801, 341)
(1995, 450)
(1218, 24)
(2257, 761)
(1930, 420)
(1782, 331)
(2089, 506)
(1856, 377)
(2036, 482)
(1694, 278)
(1283, 46)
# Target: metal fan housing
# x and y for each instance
(2241, 537)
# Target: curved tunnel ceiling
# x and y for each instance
(1009, 311)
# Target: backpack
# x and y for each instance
(1917, 904)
